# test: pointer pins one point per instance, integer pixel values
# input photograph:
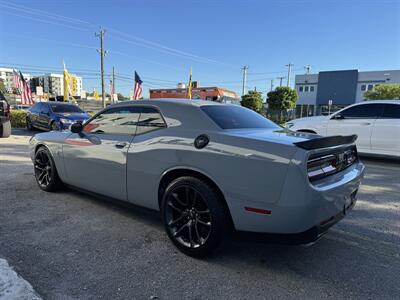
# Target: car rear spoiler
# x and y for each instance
(325, 142)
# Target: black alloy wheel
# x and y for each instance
(54, 126)
(29, 124)
(194, 217)
(45, 171)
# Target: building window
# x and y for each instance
(301, 88)
(363, 87)
(370, 87)
(306, 88)
(312, 88)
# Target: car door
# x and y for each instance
(357, 119)
(146, 159)
(95, 159)
(34, 112)
(44, 116)
(385, 137)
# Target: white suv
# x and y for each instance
(376, 122)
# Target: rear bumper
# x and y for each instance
(306, 237)
(304, 209)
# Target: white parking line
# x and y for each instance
(13, 286)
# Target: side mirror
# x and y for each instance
(338, 117)
(77, 127)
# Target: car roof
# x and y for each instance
(58, 103)
(378, 102)
(169, 101)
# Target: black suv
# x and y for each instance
(5, 124)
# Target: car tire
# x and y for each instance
(194, 216)
(54, 126)
(45, 171)
(5, 129)
(29, 125)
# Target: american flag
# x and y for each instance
(16, 80)
(26, 95)
(138, 87)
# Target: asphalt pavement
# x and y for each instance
(70, 245)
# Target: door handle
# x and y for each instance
(366, 123)
(120, 145)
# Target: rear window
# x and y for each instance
(63, 108)
(391, 111)
(236, 117)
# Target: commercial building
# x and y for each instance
(338, 88)
(53, 84)
(6, 74)
(213, 93)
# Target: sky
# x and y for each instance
(162, 40)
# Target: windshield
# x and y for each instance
(63, 108)
(236, 117)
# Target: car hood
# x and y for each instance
(281, 136)
(315, 119)
(74, 116)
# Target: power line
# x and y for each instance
(44, 21)
(139, 41)
(43, 13)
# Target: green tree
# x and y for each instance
(252, 100)
(384, 92)
(282, 98)
(122, 97)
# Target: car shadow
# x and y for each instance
(24, 132)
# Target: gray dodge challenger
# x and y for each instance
(209, 168)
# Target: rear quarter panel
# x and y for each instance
(246, 171)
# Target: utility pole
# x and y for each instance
(289, 65)
(113, 81)
(308, 69)
(102, 53)
(244, 69)
(272, 84)
(280, 79)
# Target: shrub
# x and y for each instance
(18, 118)
(252, 100)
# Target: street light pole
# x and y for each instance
(280, 79)
(244, 69)
(102, 52)
(289, 65)
(113, 86)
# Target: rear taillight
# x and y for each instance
(320, 166)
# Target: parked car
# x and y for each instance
(5, 124)
(54, 115)
(21, 107)
(208, 167)
(376, 123)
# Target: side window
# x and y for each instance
(44, 109)
(391, 111)
(150, 120)
(365, 111)
(36, 108)
(116, 120)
